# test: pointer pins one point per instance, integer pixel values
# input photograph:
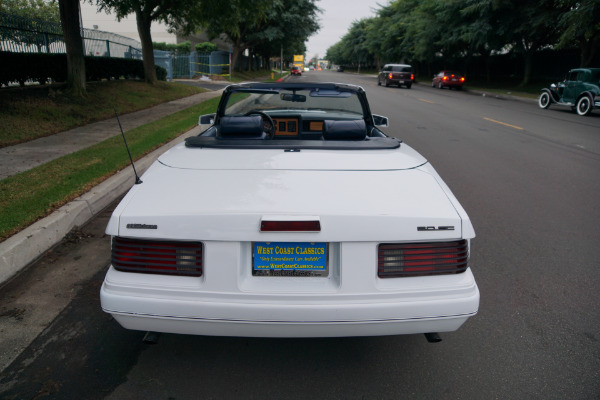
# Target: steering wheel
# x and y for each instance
(269, 125)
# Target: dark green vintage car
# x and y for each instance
(580, 90)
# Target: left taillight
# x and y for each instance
(157, 256)
(417, 259)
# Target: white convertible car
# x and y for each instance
(291, 215)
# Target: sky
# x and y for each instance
(335, 20)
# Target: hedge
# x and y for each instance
(44, 67)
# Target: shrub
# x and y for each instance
(206, 47)
(43, 67)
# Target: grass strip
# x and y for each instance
(34, 194)
(36, 111)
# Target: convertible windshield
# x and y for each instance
(343, 104)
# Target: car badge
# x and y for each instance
(435, 228)
(141, 226)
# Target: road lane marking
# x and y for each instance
(427, 101)
(503, 123)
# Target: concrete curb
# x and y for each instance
(21, 249)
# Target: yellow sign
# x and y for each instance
(299, 58)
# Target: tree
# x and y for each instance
(239, 20)
(34, 9)
(175, 13)
(69, 16)
(288, 24)
(580, 23)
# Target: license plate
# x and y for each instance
(289, 259)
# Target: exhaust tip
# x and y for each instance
(151, 337)
(433, 337)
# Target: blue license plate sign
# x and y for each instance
(289, 259)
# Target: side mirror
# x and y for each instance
(379, 120)
(208, 119)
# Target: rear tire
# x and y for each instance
(584, 105)
(387, 84)
(440, 86)
(408, 85)
(544, 100)
(378, 82)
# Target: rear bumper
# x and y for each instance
(450, 83)
(283, 315)
(400, 81)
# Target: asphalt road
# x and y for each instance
(530, 181)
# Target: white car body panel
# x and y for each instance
(233, 201)
(362, 198)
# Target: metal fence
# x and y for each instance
(25, 35)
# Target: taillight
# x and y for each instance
(412, 77)
(417, 259)
(445, 78)
(390, 76)
(157, 257)
(462, 79)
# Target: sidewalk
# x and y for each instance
(24, 156)
(26, 246)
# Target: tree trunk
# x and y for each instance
(587, 52)
(69, 17)
(143, 25)
(235, 55)
(527, 71)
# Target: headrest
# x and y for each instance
(345, 130)
(242, 127)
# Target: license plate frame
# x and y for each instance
(291, 259)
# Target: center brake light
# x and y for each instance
(157, 257)
(290, 226)
(418, 259)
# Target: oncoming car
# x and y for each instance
(292, 215)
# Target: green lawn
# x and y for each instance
(34, 194)
(37, 111)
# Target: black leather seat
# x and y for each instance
(241, 127)
(345, 130)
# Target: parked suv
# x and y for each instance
(396, 74)
(580, 90)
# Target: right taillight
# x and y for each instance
(416, 259)
(157, 257)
